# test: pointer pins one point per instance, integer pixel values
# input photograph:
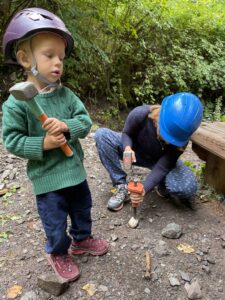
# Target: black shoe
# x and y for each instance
(183, 202)
(189, 203)
(162, 191)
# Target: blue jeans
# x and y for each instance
(180, 182)
(55, 207)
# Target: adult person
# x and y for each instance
(155, 136)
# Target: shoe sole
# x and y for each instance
(58, 275)
(127, 199)
(85, 251)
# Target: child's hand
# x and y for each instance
(54, 141)
(54, 126)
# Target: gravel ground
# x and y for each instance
(118, 275)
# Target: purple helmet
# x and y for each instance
(28, 22)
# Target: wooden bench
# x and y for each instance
(208, 142)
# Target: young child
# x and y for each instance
(38, 41)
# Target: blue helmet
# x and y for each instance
(180, 115)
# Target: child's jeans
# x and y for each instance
(55, 207)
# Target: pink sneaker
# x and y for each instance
(64, 266)
(89, 245)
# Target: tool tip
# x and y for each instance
(133, 223)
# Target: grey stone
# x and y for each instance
(161, 249)
(51, 284)
(29, 296)
(173, 281)
(172, 231)
(185, 276)
(193, 290)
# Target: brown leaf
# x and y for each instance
(14, 291)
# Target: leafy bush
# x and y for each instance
(131, 52)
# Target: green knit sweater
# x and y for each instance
(23, 136)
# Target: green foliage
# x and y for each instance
(131, 52)
(197, 170)
(4, 235)
(213, 111)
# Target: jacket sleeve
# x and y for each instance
(133, 124)
(15, 134)
(163, 166)
(80, 122)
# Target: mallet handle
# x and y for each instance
(65, 148)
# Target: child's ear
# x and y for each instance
(23, 59)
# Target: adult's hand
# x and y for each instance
(137, 198)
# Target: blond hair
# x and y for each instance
(154, 116)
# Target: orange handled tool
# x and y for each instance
(65, 148)
(26, 91)
(138, 188)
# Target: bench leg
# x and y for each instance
(215, 172)
(215, 168)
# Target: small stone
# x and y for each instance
(51, 284)
(193, 290)
(206, 269)
(173, 281)
(114, 237)
(185, 276)
(135, 247)
(172, 231)
(29, 296)
(102, 288)
(211, 260)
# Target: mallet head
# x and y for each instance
(24, 90)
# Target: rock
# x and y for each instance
(161, 249)
(147, 291)
(185, 276)
(206, 269)
(29, 296)
(173, 280)
(211, 260)
(102, 288)
(193, 290)
(172, 231)
(114, 237)
(5, 174)
(51, 284)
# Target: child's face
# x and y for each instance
(49, 51)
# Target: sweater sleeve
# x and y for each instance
(80, 122)
(133, 124)
(15, 135)
(163, 166)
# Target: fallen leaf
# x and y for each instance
(89, 288)
(14, 291)
(186, 248)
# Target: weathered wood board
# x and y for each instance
(209, 143)
(211, 136)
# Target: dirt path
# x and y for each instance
(119, 275)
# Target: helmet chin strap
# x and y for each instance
(33, 71)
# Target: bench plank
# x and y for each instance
(211, 136)
(209, 144)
